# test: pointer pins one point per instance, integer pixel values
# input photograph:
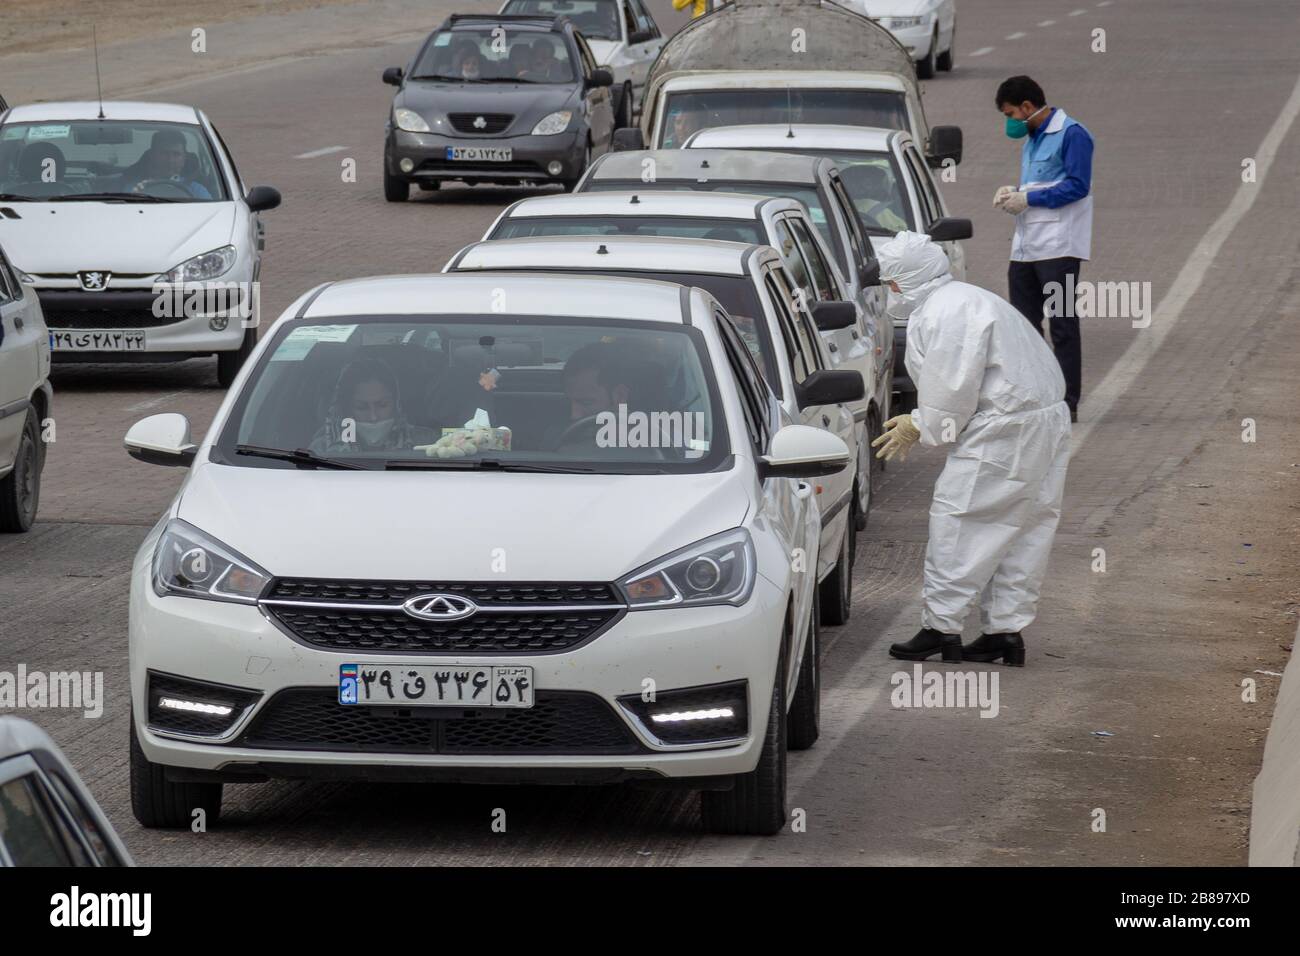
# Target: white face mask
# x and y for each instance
(373, 433)
(898, 306)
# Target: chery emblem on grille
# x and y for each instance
(440, 607)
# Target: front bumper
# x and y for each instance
(917, 39)
(530, 157)
(239, 646)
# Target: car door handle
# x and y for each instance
(832, 347)
(18, 322)
(854, 333)
(826, 420)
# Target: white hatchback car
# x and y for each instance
(753, 286)
(133, 227)
(26, 400)
(531, 528)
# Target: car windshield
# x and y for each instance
(692, 110)
(113, 160)
(686, 227)
(500, 392)
(595, 19)
(495, 54)
(872, 182)
(807, 195)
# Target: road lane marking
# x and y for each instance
(1104, 3)
(1047, 23)
(1077, 13)
(1131, 365)
(321, 152)
(1017, 36)
(981, 51)
(158, 400)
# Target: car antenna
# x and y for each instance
(636, 200)
(94, 39)
(789, 115)
(602, 251)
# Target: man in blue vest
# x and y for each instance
(1053, 210)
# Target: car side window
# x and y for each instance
(821, 271)
(230, 158)
(915, 167)
(858, 241)
(645, 23)
(800, 366)
(85, 821)
(792, 256)
(9, 289)
(31, 829)
(629, 17)
(753, 393)
(584, 53)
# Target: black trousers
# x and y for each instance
(1036, 285)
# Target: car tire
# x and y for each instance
(229, 363)
(20, 490)
(925, 68)
(395, 188)
(835, 594)
(159, 803)
(755, 805)
(569, 184)
(805, 718)
(945, 58)
(623, 109)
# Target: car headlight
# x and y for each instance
(555, 123)
(410, 121)
(24, 278)
(190, 563)
(209, 265)
(902, 23)
(717, 570)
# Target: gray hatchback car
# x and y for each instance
(499, 99)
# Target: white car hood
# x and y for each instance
(449, 526)
(140, 238)
(892, 8)
(604, 50)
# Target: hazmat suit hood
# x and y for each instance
(917, 263)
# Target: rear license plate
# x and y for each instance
(480, 154)
(97, 340)
(436, 685)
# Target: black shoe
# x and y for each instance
(989, 647)
(926, 644)
(1074, 415)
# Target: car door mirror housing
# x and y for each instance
(640, 36)
(945, 143)
(393, 76)
(832, 316)
(261, 198)
(949, 229)
(802, 451)
(161, 440)
(830, 387)
(601, 77)
(627, 139)
(869, 274)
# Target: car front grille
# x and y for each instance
(482, 170)
(493, 123)
(107, 319)
(511, 618)
(559, 722)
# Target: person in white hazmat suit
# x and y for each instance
(990, 391)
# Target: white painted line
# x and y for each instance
(321, 152)
(1131, 366)
(1077, 13)
(1047, 23)
(1104, 3)
(981, 51)
(155, 402)
(1017, 36)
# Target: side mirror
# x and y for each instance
(393, 76)
(628, 138)
(945, 143)
(948, 229)
(161, 440)
(830, 387)
(831, 316)
(641, 36)
(261, 198)
(869, 274)
(802, 451)
(601, 77)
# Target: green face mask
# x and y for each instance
(1017, 128)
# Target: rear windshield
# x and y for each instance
(595, 19)
(688, 227)
(692, 110)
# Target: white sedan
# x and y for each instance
(928, 28)
(26, 400)
(339, 567)
(134, 229)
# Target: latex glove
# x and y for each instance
(1001, 194)
(1015, 203)
(900, 435)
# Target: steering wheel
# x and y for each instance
(143, 187)
(572, 433)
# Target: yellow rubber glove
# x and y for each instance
(701, 6)
(900, 435)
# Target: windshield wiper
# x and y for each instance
(482, 464)
(112, 197)
(299, 456)
(14, 197)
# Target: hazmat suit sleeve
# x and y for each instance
(950, 344)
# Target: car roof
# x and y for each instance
(667, 202)
(450, 294)
(797, 136)
(533, 21)
(727, 165)
(18, 736)
(113, 110)
(642, 253)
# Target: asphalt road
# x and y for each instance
(1197, 526)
